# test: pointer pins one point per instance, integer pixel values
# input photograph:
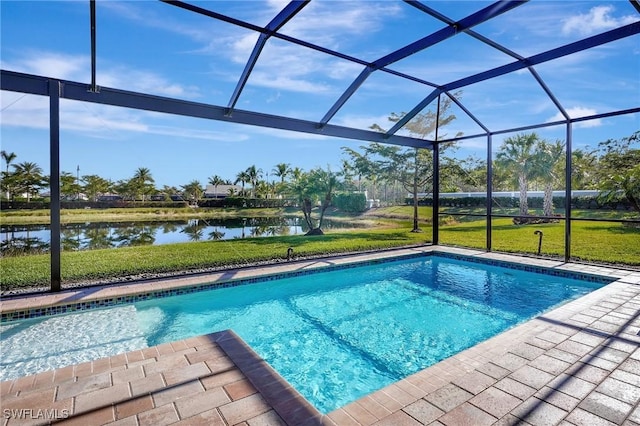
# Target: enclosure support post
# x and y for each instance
(55, 87)
(436, 182)
(489, 190)
(92, 12)
(567, 196)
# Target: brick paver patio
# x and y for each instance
(576, 365)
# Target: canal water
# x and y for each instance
(22, 239)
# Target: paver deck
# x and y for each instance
(576, 365)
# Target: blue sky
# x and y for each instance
(152, 47)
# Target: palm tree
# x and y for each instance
(516, 154)
(547, 161)
(242, 177)
(254, 174)
(143, 181)
(8, 158)
(193, 191)
(168, 191)
(296, 173)
(216, 180)
(29, 177)
(282, 170)
(584, 170)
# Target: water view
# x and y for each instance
(21, 239)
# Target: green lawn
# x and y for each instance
(27, 271)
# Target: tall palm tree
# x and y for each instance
(282, 170)
(143, 181)
(8, 158)
(242, 177)
(216, 180)
(296, 173)
(254, 175)
(516, 154)
(548, 158)
(29, 177)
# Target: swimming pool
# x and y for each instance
(335, 336)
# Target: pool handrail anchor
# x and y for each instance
(539, 232)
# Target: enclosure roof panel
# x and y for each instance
(349, 63)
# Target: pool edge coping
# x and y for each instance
(76, 300)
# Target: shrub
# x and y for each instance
(350, 202)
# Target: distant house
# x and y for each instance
(110, 197)
(221, 191)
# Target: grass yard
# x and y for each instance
(29, 271)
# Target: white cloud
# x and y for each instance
(597, 20)
(288, 83)
(78, 68)
(51, 64)
(362, 121)
(577, 112)
(99, 121)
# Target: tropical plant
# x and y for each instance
(619, 169)
(8, 181)
(517, 154)
(360, 165)
(193, 191)
(548, 162)
(216, 180)
(242, 177)
(254, 175)
(29, 178)
(282, 170)
(315, 186)
(8, 158)
(69, 186)
(413, 167)
(583, 170)
(142, 182)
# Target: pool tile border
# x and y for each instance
(57, 309)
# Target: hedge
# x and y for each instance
(240, 202)
(44, 205)
(352, 203)
(584, 202)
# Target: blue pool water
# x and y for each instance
(335, 336)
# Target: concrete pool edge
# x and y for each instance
(31, 306)
(17, 307)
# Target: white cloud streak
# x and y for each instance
(577, 112)
(598, 19)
